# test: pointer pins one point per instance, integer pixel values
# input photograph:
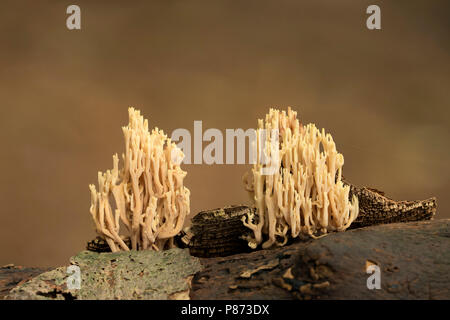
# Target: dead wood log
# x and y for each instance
(219, 232)
(414, 260)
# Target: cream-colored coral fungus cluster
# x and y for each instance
(145, 199)
(305, 193)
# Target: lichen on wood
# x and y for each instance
(122, 275)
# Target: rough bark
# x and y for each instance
(413, 257)
(376, 208)
(414, 260)
(219, 232)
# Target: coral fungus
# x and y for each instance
(146, 196)
(305, 193)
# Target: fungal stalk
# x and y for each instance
(145, 198)
(305, 193)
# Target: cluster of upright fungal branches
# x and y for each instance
(305, 193)
(146, 198)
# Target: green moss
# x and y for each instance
(124, 275)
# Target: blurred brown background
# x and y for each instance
(384, 95)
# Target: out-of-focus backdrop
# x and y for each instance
(383, 94)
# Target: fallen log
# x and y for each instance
(305, 268)
(413, 259)
(220, 232)
(125, 275)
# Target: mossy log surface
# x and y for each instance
(123, 275)
(11, 276)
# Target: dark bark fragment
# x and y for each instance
(375, 208)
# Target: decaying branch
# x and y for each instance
(375, 208)
(219, 232)
(333, 267)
